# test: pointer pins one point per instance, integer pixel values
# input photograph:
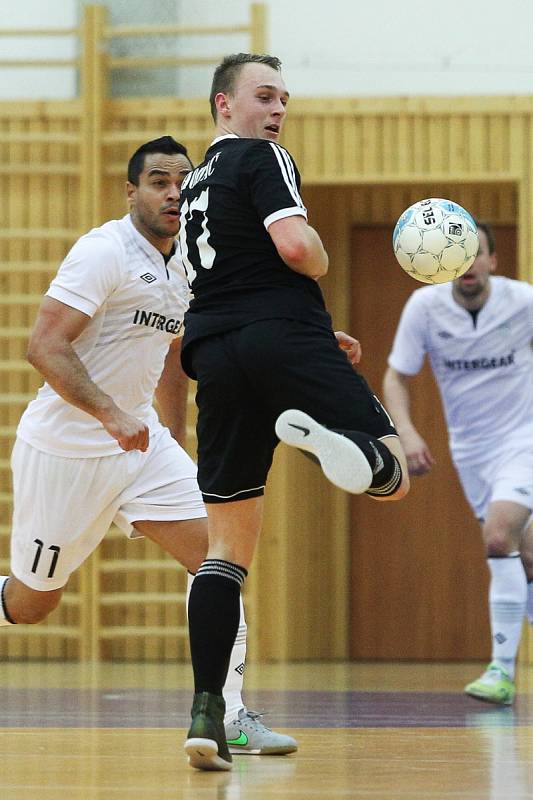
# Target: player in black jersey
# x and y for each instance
(259, 341)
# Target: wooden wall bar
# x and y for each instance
(362, 161)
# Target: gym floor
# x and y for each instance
(377, 731)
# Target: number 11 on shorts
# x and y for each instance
(55, 550)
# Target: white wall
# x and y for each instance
(387, 47)
(416, 47)
(340, 47)
(37, 82)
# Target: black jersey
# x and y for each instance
(234, 270)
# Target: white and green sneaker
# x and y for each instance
(494, 686)
(248, 735)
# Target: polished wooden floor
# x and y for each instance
(377, 731)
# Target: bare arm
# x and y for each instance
(171, 393)
(396, 395)
(300, 246)
(51, 352)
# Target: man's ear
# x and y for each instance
(131, 189)
(222, 104)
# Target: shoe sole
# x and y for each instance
(263, 751)
(342, 462)
(494, 700)
(203, 754)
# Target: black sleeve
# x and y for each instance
(274, 181)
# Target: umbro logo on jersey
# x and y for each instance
(445, 335)
(240, 669)
(521, 490)
(148, 277)
(500, 638)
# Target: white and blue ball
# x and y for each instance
(435, 240)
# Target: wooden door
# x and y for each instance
(419, 575)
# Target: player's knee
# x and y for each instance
(30, 616)
(398, 482)
(497, 543)
(404, 486)
(399, 491)
(27, 606)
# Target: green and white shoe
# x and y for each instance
(494, 686)
(247, 735)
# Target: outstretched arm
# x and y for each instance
(51, 352)
(396, 394)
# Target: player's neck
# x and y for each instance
(162, 243)
(473, 302)
(224, 130)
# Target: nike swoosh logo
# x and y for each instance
(240, 741)
(306, 431)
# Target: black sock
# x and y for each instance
(214, 611)
(384, 465)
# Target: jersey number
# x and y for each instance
(53, 561)
(206, 253)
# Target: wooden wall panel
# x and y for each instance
(363, 161)
(40, 199)
(419, 576)
(299, 582)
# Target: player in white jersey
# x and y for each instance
(477, 332)
(90, 449)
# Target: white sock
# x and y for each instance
(529, 608)
(507, 605)
(233, 687)
(232, 691)
(3, 619)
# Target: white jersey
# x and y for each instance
(136, 304)
(484, 371)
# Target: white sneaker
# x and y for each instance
(247, 734)
(494, 686)
(342, 461)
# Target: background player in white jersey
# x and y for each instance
(259, 341)
(90, 449)
(477, 332)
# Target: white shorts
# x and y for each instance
(63, 507)
(507, 475)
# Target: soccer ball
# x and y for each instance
(435, 240)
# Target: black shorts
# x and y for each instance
(247, 377)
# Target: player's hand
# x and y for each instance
(351, 347)
(130, 433)
(418, 455)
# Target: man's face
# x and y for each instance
(154, 202)
(256, 109)
(475, 281)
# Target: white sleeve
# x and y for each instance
(530, 304)
(409, 347)
(88, 275)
